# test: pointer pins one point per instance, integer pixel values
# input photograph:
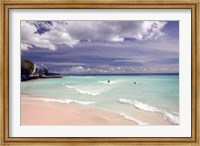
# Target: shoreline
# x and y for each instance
(38, 112)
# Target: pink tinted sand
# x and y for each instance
(37, 112)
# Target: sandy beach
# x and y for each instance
(38, 112)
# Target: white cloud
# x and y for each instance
(49, 39)
(113, 31)
(152, 30)
(122, 69)
(79, 69)
(116, 31)
(25, 46)
(117, 39)
(70, 33)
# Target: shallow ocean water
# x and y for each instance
(153, 93)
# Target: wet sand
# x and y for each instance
(35, 111)
(38, 112)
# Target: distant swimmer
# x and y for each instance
(108, 81)
(134, 82)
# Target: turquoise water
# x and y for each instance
(153, 93)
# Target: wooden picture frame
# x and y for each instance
(6, 5)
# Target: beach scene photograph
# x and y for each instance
(99, 72)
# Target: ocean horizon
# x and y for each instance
(117, 74)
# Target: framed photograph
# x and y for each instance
(105, 72)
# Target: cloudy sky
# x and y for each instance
(90, 47)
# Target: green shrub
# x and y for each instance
(26, 68)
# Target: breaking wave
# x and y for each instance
(90, 92)
(139, 105)
(67, 101)
(93, 92)
(145, 107)
(132, 119)
(172, 118)
(69, 86)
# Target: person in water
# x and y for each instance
(108, 81)
(134, 82)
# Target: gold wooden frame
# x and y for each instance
(127, 4)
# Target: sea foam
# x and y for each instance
(139, 105)
(90, 92)
(68, 86)
(132, 119)
(66, 101)
(172, 118)
(166, 115)
(93, 92)
(111, 82)
(145, 107)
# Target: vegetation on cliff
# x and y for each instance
(27, 68)
(29, 71)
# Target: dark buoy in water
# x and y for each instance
(108, 81)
